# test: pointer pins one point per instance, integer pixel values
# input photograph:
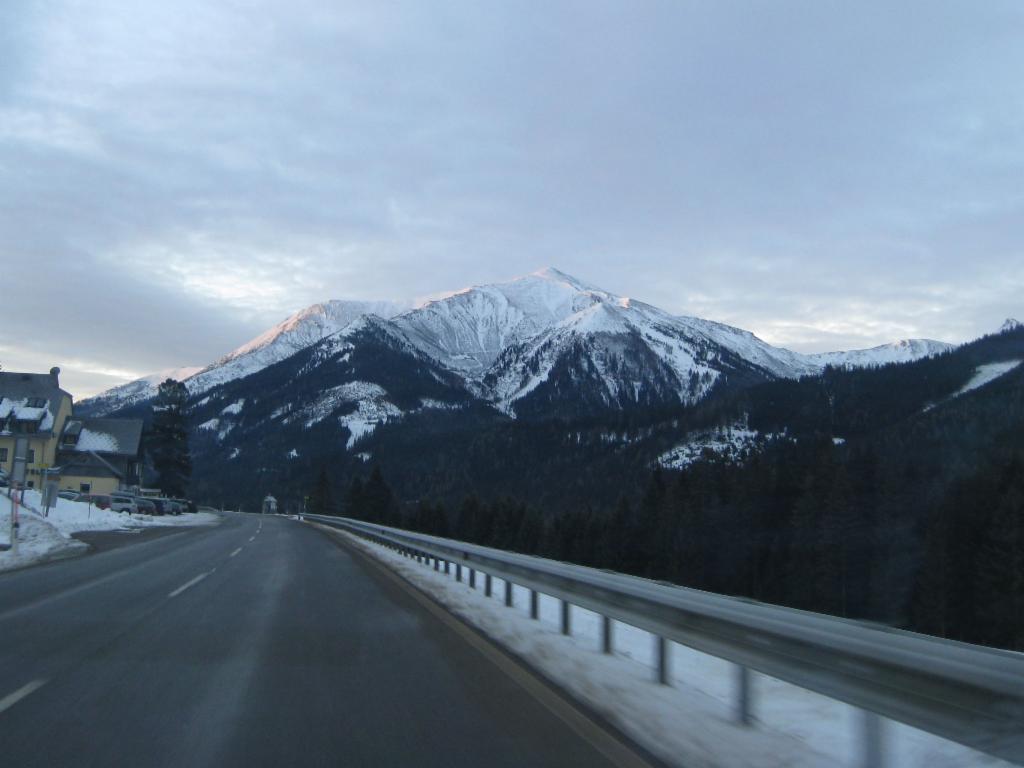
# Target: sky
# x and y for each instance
(177, 177)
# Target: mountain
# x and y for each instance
(543, 342)
(904, 351)
(293, 334)
(132, 393)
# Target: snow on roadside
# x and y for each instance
(44, 538)
(794, 727)
(38, 540)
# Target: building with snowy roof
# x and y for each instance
(100, 455)
(33, 407)
(90, 455)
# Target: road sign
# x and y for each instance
(20, 467)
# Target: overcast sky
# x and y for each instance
(177, 176)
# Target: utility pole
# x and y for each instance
(14, 521)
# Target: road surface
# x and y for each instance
(260, 642)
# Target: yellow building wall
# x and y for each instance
(44, 444)
(100, 485)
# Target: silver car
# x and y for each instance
(122, 503)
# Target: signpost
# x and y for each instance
(18, 471)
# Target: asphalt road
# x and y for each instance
(256, 643)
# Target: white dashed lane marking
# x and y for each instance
(188, 584)
(11, 699)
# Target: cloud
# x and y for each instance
(177, 177)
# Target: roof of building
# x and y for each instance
(117, 436)
(86, 464)
(17, 390)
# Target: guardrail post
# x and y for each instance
(873, 739)
(662, 673)
(508, 593)
(437, 564)
(458, 572)
(534, 604)
(744, 704)
(472, 578)
(487, 585)
(447, 567)
(566, 618)
(606, 634)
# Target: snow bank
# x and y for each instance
(38, 540)
(43, 539)
(691, 722)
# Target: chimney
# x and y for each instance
(55, 375)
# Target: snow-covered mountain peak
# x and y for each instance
(1010, 325)
(467, 330)
(315, 322)
(902, 351)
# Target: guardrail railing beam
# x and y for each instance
(967, 694)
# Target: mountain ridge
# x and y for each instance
(504, 339)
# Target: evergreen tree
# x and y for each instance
(355, 500)
(321, 500)
(168, 439)
(378, 500)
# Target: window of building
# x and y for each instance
(85, 487)
(3, 455)
(31, 455)
(36, 402)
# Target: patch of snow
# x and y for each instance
(235, 407)
(364, 456)
(43, 538)
(101, 442)
(233, 454)
(732, 443)
(838, 441)
(211, 424)
(794, 727)
(293, 454)
(428, 404)
(21, 411)
(369, 415)
(985, 374)
(331, 399)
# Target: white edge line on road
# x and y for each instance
(188, 584)
(235, 552)
(11, 699)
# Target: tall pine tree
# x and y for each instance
(168, 439)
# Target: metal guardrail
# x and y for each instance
(965, 693)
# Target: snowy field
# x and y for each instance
(691, 722)
(46, 538)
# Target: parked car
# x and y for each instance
(4, 482)
(71, 495)
(160, 506)
(185, 505)
(146, 506)
(122, 502)
(98, 500)
(175, 506)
